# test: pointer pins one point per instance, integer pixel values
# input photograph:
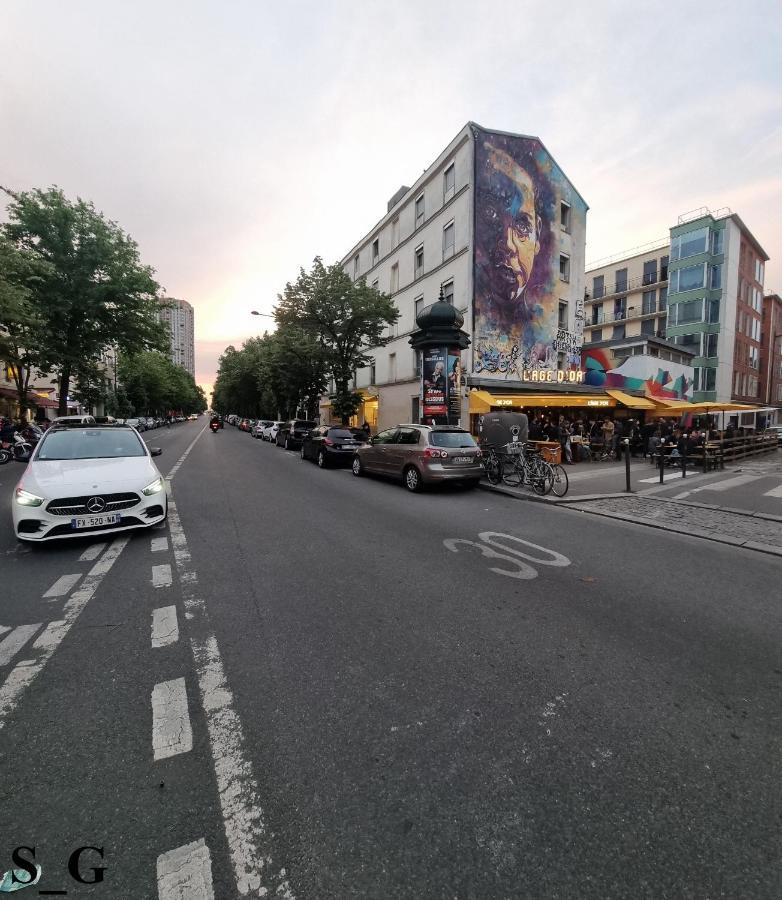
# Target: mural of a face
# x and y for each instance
(510, 226)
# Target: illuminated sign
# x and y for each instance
(500, 402)
(574, 376)
(598, 402)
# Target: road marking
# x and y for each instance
(185, 873)
(774, 492)
(159, 543)
(165, 628)
(25, 671)
(178, 464)
(4, 628)
(171, 731)
(161, 575)
(62, 586)
(729, 483)
(246, 831)
(92, 552)
(12, 644)
(669, 476)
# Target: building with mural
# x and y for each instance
(496, 225)
(651, 366)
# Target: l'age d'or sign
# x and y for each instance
(574, 376)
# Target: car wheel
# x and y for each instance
(412, 479)
(357, 468)
(322, 461)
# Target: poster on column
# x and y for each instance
(454, 385)
(434, 382)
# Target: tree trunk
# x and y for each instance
(65, 382)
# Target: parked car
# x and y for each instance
(257, 431)
(138, 424)
(290, 434)
(778, 430)
(422, 455)
(77, 420)
(269, 433)
(329, 445)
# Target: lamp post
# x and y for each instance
(255, 312)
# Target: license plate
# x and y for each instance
(462, 460)
(94, 521)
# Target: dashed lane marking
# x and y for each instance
(92, 552)
(178, 464)
(14, 642)
(24, 672)
(185, 873)
(62, 586)
(729, 483)
(165, 628)
(161, 576)
(159, 543)
(171, 731)
(774, 492)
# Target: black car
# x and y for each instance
(330, 445)
(292, 433)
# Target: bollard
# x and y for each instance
(628, 489)
(684, 462)
(662, 464)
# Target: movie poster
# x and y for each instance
(454, 385)
(434, 382)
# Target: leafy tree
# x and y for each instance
(345, 318)
(153, 385)
(97, 293)
(21, 272)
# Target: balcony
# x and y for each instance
(632, 284)
(623, 316)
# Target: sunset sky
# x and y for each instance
(236, 140)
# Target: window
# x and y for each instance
(394, 277)
(448, 292)
(449, 236)
(647, 327)
(663, 268)
(620, 284)
(663, 298)
(650, 271)
(597, 335)
(372, 376)
(598, 286)
(687, 312)
(597, 314)
(355, 266)
(419, 211)
(395, 232)
(418, 306)
(564, 267)
(619, 332)
(684, 245)
(416, 409)
(449, 182)
(392, 366)
(713, 311)
(691, 341)
(717, 237)
(709, 345)
(375, 284)
(562, 320)
(385, 437)
(689, 278)
(706, 378)
(620, 310)
(417, 363)
(715, 277)
(564, 217)
(648, 302)
(375, 250)
(419, 261)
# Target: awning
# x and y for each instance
(724, 407)
(673, 405)
(629, 400)
(485, 401)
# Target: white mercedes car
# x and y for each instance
(87, 480)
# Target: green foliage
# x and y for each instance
(344, 405)
(153, 385)
(345, 318)
(96, 293)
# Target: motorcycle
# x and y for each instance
(21, 449)
(214, 426)
(5, 455)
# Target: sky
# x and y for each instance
(237, 140)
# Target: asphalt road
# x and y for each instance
(377, 705)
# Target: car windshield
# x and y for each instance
(451, 439)
(90, 443)
(342, 433)
(303, 424)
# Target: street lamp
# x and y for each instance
(255, 312)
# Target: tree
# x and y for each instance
(345, 318)
(153, 385)
(97, 293)
(21, 272)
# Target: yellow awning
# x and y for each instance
(724, 407)
(673, 405)
(485, 401)
(629, 400)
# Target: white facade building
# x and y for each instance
(178, 317)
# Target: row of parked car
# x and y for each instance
(417, 454)
(148, 423)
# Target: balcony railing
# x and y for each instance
(633, 284)
(624, 316)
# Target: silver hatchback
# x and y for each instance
(421, 455)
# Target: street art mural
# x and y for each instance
(519, 190)
(655, 377)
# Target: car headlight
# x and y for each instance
(25, 498)
(154, 488)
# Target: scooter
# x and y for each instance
(21, 449)
(214, 426)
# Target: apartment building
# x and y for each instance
(771, 354)
(493, 223)
(715, 303)
(179, 318)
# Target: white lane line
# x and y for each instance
(25, 671)
(161, 575)
(4, 628)
(185, 873)
(159, 544)
(669, 476)
(774, 492)
(246, 831)
(729, 483)
(92, 552)
(12, 644)
(62, 586)
(171, 731)
(165, 628)
(178, 464)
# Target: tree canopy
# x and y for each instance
(153, 385)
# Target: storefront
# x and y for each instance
(367, 411)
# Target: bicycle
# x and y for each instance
(559, 483)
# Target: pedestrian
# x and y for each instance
(365, 428)
(608, 435)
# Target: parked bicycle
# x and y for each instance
(519, 464)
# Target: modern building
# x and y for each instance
(179, 319)
(715, 303)
(771, 355)
(495, 224)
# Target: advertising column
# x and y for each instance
(434, 402)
